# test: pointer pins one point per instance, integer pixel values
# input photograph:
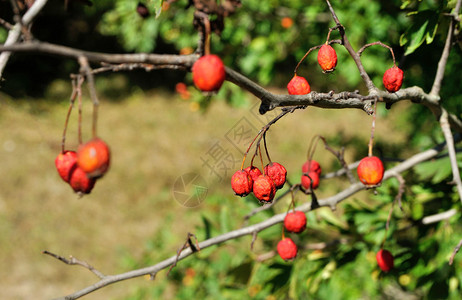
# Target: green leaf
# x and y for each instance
(423, 29)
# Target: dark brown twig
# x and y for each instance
(187, 244)
(456, 249)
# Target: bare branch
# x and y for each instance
(444, 56)
(439, 217)
(456, 249)
(451, 151)
(15, 32)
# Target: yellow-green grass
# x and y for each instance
(154, 138)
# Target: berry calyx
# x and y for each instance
(253, 171)
(241, 183)
(327, 58)
(277, 173)
(94, 157)
(65, 163)
(80, 182)
(264, 188)
(295, 221)
(311, 181)
(370, 170)
(311, 166)
(287, 249)
(298, 85)
(393, 79)
(385, 260)
(208, 73)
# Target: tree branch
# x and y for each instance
(15, 32)
(255, 228)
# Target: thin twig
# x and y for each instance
(456, 249)
(74, 261)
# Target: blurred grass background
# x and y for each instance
(155, 137)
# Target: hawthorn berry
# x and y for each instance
(277, 173)
(298, 85)
(65, 163)
(264, 188)
(208, 73)
(142, 10)
(327, 58)
(311, 166)
(385, 260)
(94, 157)
(241, 183)
(287, 249)
(253, 171)
(295, 221)
(393, 79)
(370, 170)
(80, 182)
(306, 181)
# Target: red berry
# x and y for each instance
(80, 182)
(327, 58)
(370, 170)
(306, 181)
(264, 188)
(65, 163)
(393, 79)
(253, 171)
(93, 157)
(277, 173)
(208, 73)
(295, 221)
(287, 249)
(298, 85)
(241, 183)
(311, 166)
(385, 260)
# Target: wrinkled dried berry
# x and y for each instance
(311, 166)
(306, 181)
(253, 171)
(65, 163)
(277, 173)
(298, 85)
(327, 58)
(393, 79)
(287, 249)
(264, 188)
(295, 221)
(241, 183)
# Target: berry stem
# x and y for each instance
(371, 140)
(266, 148)
(74, 93)
(303, 58)
(312, 147)
(261, 160)
(79, 131)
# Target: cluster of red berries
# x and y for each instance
(263, 186)
(81, 169)
(311, 173)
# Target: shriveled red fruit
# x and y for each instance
(241, 183)
(327, 58)
(295, 221)
(298, 85)
(287, 249)
(370, 170)
(311, 166)
(393, 79)
(94, 157)
(253, 171)
(306, 181)
(65, 163)
(385, 260)
(208, 73)
(80, 182)
(277, 173)
(264, 188)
